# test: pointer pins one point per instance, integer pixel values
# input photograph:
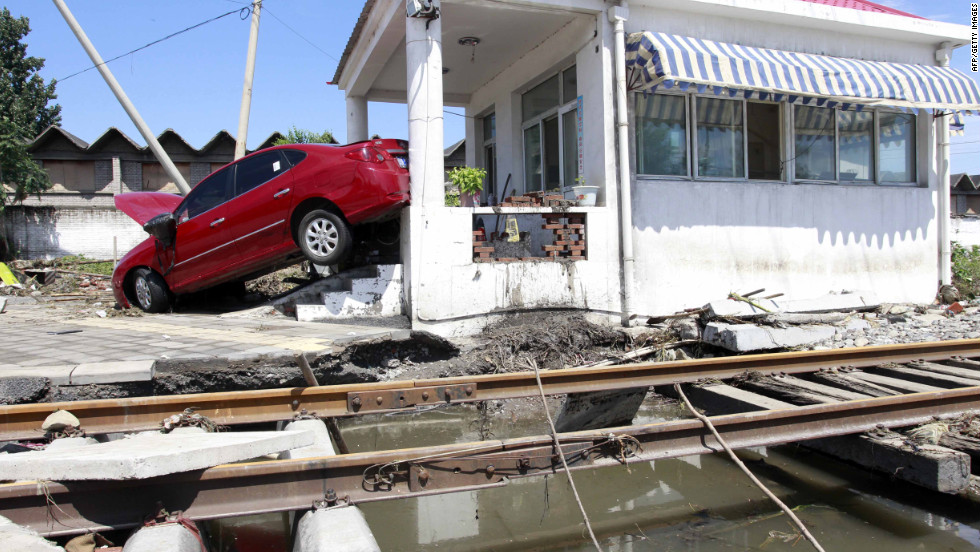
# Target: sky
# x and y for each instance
(192, 83)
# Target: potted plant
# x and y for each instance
(469, 180)
(584, 193)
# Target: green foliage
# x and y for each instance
(452, 198)
(469, 180)
(966, 269)
(84, 264)
(303, 136)
(24, 110)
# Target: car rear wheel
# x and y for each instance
(150, 290)
(324, 237)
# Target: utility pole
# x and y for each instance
(151, 140)
(253, 40)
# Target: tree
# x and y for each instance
(303, 136)
(24, 110)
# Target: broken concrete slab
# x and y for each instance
(70, 444)
(321, 446)
(581, 411)
(22, 539)
(22, 389)
(827, 303)
(149, 455)
(742, 338)
(108, 372)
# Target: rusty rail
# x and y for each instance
(234, 490)
(230, 408)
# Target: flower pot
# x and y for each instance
(585, 195)
(469, 200)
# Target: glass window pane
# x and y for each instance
(541, 98)
(552, 172)
(764, 135)
(570, 146)
(208, 194)
(255, 171)
(661, 134)
(721, 138)
(814, 138)
(896, 151)
(490, 127)
(569, 85)
(532, 158)
(854, 130)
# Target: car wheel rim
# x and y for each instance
(143, 292)
(322, 237)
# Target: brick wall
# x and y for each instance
(48, 232)
(199, 171)
(132, 176)
(103, 175)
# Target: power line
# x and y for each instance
(243, 13)
(295, 32)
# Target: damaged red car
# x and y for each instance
(271, 209)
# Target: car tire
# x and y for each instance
(324, 237)
(150, 291)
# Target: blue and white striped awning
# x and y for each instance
(664, 60)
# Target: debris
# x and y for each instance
(827, 303)
(59, 420)
(188, 418)
(101, 313)
(3, 304)
(949, 294)
(748, 337)
(954, 308)
(6, 276)
(63, 332)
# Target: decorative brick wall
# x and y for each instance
(199, 171)
(132, 176)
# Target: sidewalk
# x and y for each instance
(39, 340)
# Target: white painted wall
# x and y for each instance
(46, 233)
(965, 231)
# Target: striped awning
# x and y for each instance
(665, 60)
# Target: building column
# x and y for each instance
(423, 47)
(117, 181)
(357, 119)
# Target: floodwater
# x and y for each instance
(693, 504)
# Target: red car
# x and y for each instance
(261, 213)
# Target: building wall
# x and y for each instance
(965, 230)
(700, 240)
(47, 232)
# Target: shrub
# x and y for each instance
(469, 180)
(966, 269)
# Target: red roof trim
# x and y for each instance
(862, 5)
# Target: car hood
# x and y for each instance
(142, 206)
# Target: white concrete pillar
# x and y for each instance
(357, 119)
(169, 537)
(423, 48)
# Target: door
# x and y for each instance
(203, 245)
(257, 214)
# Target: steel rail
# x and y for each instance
(66, 508)
(241, 407)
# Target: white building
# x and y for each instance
(796, 145)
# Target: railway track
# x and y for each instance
(819, 394)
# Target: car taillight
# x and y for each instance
(366, 154)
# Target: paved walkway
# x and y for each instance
(32, 335)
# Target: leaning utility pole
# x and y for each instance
(151, 140)
(253, 40)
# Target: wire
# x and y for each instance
(731, 453)
(243, 13)
(295, 32)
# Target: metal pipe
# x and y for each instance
(151, 140)
(943, 207)
(618, 15)
(253, 41)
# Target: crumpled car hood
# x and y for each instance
(143, 206)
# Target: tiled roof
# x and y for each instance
(862, 5)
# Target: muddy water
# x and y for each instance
(701, 503)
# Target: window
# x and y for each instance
(294, 156)
(688, 135)
(490, 159)
(550, 130)
(257, 170)
(208, 194)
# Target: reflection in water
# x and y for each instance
(691, 504)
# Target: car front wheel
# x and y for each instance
(150, 290)
(324, 237)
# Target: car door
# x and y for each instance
(257, 215)
(203, 244)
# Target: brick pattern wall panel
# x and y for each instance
(103, 175)
(47, 232)
(199, 171)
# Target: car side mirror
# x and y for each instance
(162, 227)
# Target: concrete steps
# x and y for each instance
(366, 292)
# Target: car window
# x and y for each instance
(257, 170)
(208, 194)
(294, 156)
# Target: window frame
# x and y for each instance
(564, 106)
(787, 141)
